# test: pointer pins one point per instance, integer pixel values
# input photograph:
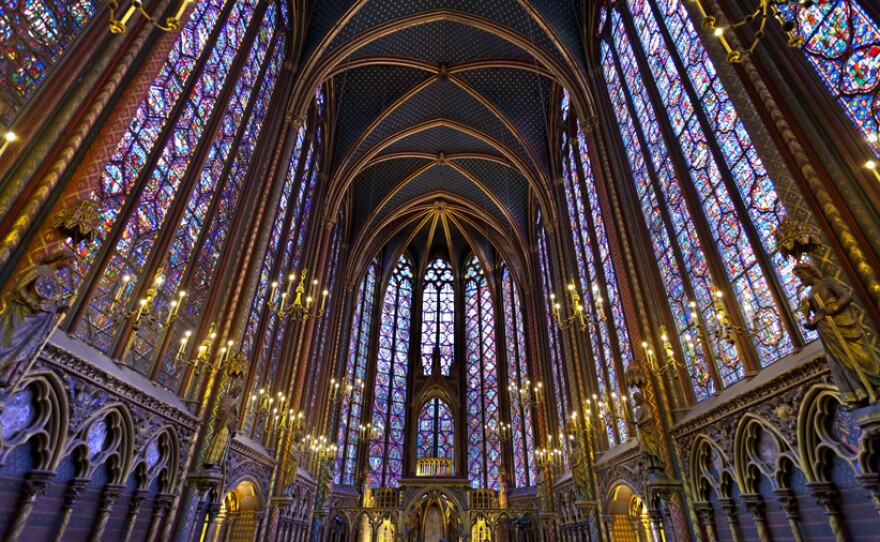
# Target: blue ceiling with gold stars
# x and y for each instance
(442, 97)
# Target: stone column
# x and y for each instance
(656, 517)
(755, 505)
(105, 506)
(788, 501)
(213, 512)
(707, 518)
(137, 499)
(826, 495)
(729, 507)
(75, 489)
(35, 484)
(161, 505)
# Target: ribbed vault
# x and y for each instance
(441, 99)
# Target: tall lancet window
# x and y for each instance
(36, 33)
(351, 410)
(518, 373)
(842, 43)
(609, 338)
(483, 411)
(436, 430)
(438, 315)
(554, 334)
(389, 407)
(705, 195)
(168, 192)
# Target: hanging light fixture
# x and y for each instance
(118, 26)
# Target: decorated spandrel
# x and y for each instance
(842, 44)
(389, 406)
(438, 315)
(484, 453)
(522, 433)
(162, 183)
(36, 34)
(351, 411)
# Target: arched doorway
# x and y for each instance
(629, 517)
(434, 518)
(238, 516)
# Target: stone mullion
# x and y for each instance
(63, 146)
(612, 203)
(783, 306)
(359, 309)
(415, 366)
(370, 375)
(132, 199)
(290, 333)
(707, 346)
(229, 302)
(538, 367)
(204, 234)
(504, 403)
(271, 142)
(653, 398)
(600, 372)
(722, 281)
(616, 347)
(162, 244)
(846, 237)
(333, 422)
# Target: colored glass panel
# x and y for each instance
(389, 407)
(518, 373)
(438, 315)
(35, 35)
(481, 367)
(753, 184)
(842, 43)
(160, 185)
(435, 436)
(351, 412)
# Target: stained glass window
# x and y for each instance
(842, 43)
(438, 315)
(554, 337)
(176, 211)
(35, 35)
(483, 410)
(718, 163)
(389, 407)
(523, 437)
(590, 285)
(436, 431)
(351, 411)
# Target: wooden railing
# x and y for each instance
(434, 466)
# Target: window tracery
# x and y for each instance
(438, 315)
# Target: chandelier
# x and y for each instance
(303, 303)
(118, 26)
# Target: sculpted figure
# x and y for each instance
(224, 431)
(649, 443)
(37, 299)
(829, 309)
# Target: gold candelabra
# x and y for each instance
(659, 367)
(499, 431)
(766, 10)
(526, 395)
(340, 392)
(549, 456)
(579, 314)
(145, 311)
(371, 432)
(303, 303)
(724, 329)
(118, 26)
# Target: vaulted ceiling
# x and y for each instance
(442, 104)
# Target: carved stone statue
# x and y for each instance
(37, 299)
(649, 443)
(503, 488)
(542, 490)
(224, 431)
(830, 310)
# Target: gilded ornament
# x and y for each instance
(79, 223)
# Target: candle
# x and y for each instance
(273, 291)
(179, 14)
(142, 303)
(324, 300)
(183, 342)
(118, 297)
(171, 312)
